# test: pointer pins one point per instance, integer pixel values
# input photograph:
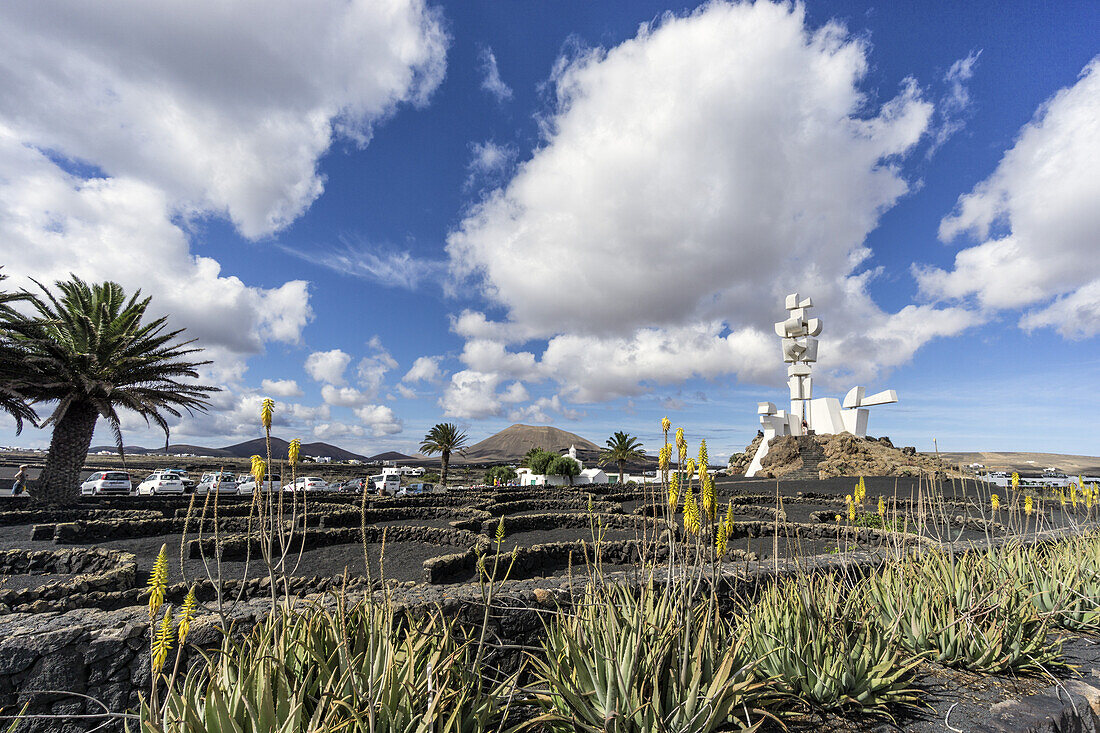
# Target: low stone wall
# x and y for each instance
(440, 569)
(53, 516)
(498, 509)
(355, 517)
(103, 530)
(583, 520)
(236, 547)
(93, 570)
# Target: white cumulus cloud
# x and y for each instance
(328, 366)
(688, 179)
(380, 420)
(1036, 221)
(281, 388)
(224, 107)
(424, 369)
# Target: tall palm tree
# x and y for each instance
(620, 449)
(12, 400)
(88, 351)
(444, 439)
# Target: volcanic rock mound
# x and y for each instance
(839, 455)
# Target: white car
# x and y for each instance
(308, 483)
(160, 482)
(219, 483)
(188, 482)
(248, 484)
(102, 483)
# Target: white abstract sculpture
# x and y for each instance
(826, 415)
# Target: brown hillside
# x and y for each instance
(513, 442)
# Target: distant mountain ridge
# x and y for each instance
(257, 447)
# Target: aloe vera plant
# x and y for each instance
(319, 670)
(964, 612)
(628, 662)
(819, 645)
(1062, 580)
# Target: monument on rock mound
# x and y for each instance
(823, 416)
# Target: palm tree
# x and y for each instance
(620, 449)
(444, 439)
(88, 351)
(12, 400)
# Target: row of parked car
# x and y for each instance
(179, 482)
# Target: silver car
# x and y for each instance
(218, 482)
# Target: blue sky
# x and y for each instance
(577, 213)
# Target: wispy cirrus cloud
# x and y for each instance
(491, 81)
(386, 266)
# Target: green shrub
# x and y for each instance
(814, 641)
(963, 612)
(635, 662)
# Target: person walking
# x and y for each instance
(20, 484)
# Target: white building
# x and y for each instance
(526, 477)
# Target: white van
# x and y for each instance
(387, 483)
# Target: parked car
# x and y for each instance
(307, 483)
(219, 482)
(355, 486)
(247, 484)
(413, 489)
(160, 482)
(387, 483)
(102, 483)
(188, 482)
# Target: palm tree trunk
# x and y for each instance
(445, 459)
(72, 436)
(622, 472)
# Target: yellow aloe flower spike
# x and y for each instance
(720, 539)
(1028, 505)
(158, 581)
(673, 491)
(691, 513)
(499, 536)
(851, 512)
(293, 451)
(838, 518)
(665, 425)
(162, 641)
(703, 453)
(881, 507)
(994, 502)
(663, 457)
(267, 409)
(689, 468)
(848, 499)
(1015, 480)
(710, 500)
(186, 615)
(259, 471)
